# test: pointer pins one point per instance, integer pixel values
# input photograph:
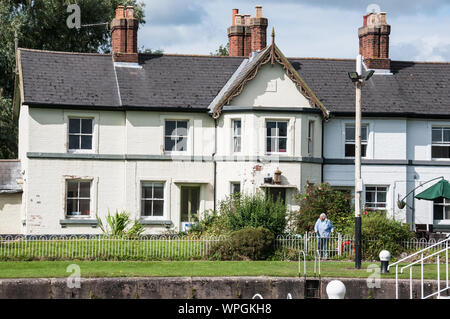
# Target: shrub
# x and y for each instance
(317, 200)
(117, 224)
(249, 243)
(253, 211)
(379, 232)
(211, 224)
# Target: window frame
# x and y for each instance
(141, 199)
(93, 141)
(442, 143)
(287, 121)
(446, 214)
(232, 184)
(66, 198)
(234, 136)
(310, 138)
(176, 120)
(385, 208)
(363, 142)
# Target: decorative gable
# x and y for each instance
(271, 88)
(263, 91)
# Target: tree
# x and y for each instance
(222, 51)
(42, 25)
(150, 51)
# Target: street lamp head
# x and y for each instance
(369, 75)
(354, 76)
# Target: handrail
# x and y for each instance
(304, 263)
(421, 261)
(420, 251)
(316, 254)
(424, 258)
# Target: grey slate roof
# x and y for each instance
(193, 82)
(68, 78)
(170, 81)
(414, 88)
(9, 173)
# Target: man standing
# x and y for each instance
(323, 228)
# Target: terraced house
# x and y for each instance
(166, 137)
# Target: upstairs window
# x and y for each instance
(78, 198)
(440, 147)
(152, 199)
(237, 138)
(80, 134)
(350, 140)
(441, 209)
(376, 197)
(310, 138)
(276, 136)
(176, 135)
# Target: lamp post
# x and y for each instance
(358, 78)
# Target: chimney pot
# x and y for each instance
(239, 19)
(247, 19)
(234, 13)
(130, 12)
(120, 12)
(258, 13)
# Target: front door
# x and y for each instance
(190, 203)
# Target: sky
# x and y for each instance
(420, 29)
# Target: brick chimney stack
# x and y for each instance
(374, 41)
(259, 30)
(236, 35)
(247, 34)
(124, 29)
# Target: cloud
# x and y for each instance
(393, 7)
(174, 12)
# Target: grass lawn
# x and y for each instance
(89, 269)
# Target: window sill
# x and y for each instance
(150, 222)
(78, 221)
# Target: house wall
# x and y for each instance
(394, 148)
(10, 213)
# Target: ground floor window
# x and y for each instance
(276, 193)
(78, 198)
(152, 198)
(441, 209)
(376, 197)
(235, 188)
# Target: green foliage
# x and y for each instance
(379, 232)
(253, 211)
(144, 50)
(248, 243)
(8, 130)
(117, 224)
(211, 224)
(317, 200)
(222, 51)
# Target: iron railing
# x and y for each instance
(167, 247)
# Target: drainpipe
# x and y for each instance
(215, 163)
(321, 151)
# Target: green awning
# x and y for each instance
(437, 191)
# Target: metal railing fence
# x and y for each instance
(166, 247)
